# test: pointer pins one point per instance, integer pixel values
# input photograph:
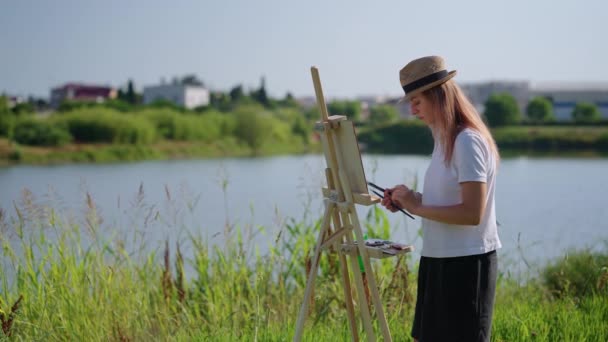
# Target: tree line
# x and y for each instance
(501, 109)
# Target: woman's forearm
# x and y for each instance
(453, 214)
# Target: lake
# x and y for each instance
(545, 206)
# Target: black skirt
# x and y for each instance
(455, 298)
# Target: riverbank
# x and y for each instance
(14, 154)
(397, 138)
(415, 138)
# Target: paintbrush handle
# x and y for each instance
(401, 210)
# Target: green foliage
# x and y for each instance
(586, 113)
(77, 285)
(301, 128)
(165, 104)
(501, 110)
(551, 138)
(260, 95)
(401, 137)
(289, 101)
(7, 120)
(4, 105)
(252, 127)
(118, 105)
(579, 274)
(220, 101)
(23, 108)
(173, 125)
(381, 114)
(540, 109)
(103, 125)
(70, 105)
(40, 132)
(237, 94)
(352, 109)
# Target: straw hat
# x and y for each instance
(422, 74)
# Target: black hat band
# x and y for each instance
(424, 81)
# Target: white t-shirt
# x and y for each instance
(472, 160)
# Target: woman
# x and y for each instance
(457, 272)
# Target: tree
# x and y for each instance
(501, 110)
(220, 101)
(289, 101)
(191, 80)
(382, 113)
(352, 109)
(260, 94)
(131, 96)
(540, 109)
(586, 113)
(236, 93)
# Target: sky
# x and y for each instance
(358, 46)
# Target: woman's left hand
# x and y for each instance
(406, 198)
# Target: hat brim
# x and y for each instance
(411, 94)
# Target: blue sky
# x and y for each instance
(359, 46)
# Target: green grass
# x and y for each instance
(76, 286)
(11, 153)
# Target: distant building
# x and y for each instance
(307, 101)
(565, 96)
(81, 92)
(186, 95)
(14, 100)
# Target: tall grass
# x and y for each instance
(61, 280)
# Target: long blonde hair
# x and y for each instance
(453, 113)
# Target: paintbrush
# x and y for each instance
(382, 196)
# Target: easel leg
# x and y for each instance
(329, 208)
(363, 306)
(348, 298)
(371, 279)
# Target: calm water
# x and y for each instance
(545, 206)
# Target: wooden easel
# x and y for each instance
(346, 186)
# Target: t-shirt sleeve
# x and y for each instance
(470, 157)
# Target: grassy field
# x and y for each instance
(60, 281)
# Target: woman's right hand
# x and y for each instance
(387, 202)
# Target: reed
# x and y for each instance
(61, 280)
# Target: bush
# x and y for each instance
(7, 122)
(382, 113)
(586, 113)
(540, 110)
(103, 125)
(579, 274)
(501, 110)
(252, 127)
(172, 125)
(38, 132)
(402, 137)
(70, 105)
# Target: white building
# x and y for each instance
(185, 95)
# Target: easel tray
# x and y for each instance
(377, 252)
